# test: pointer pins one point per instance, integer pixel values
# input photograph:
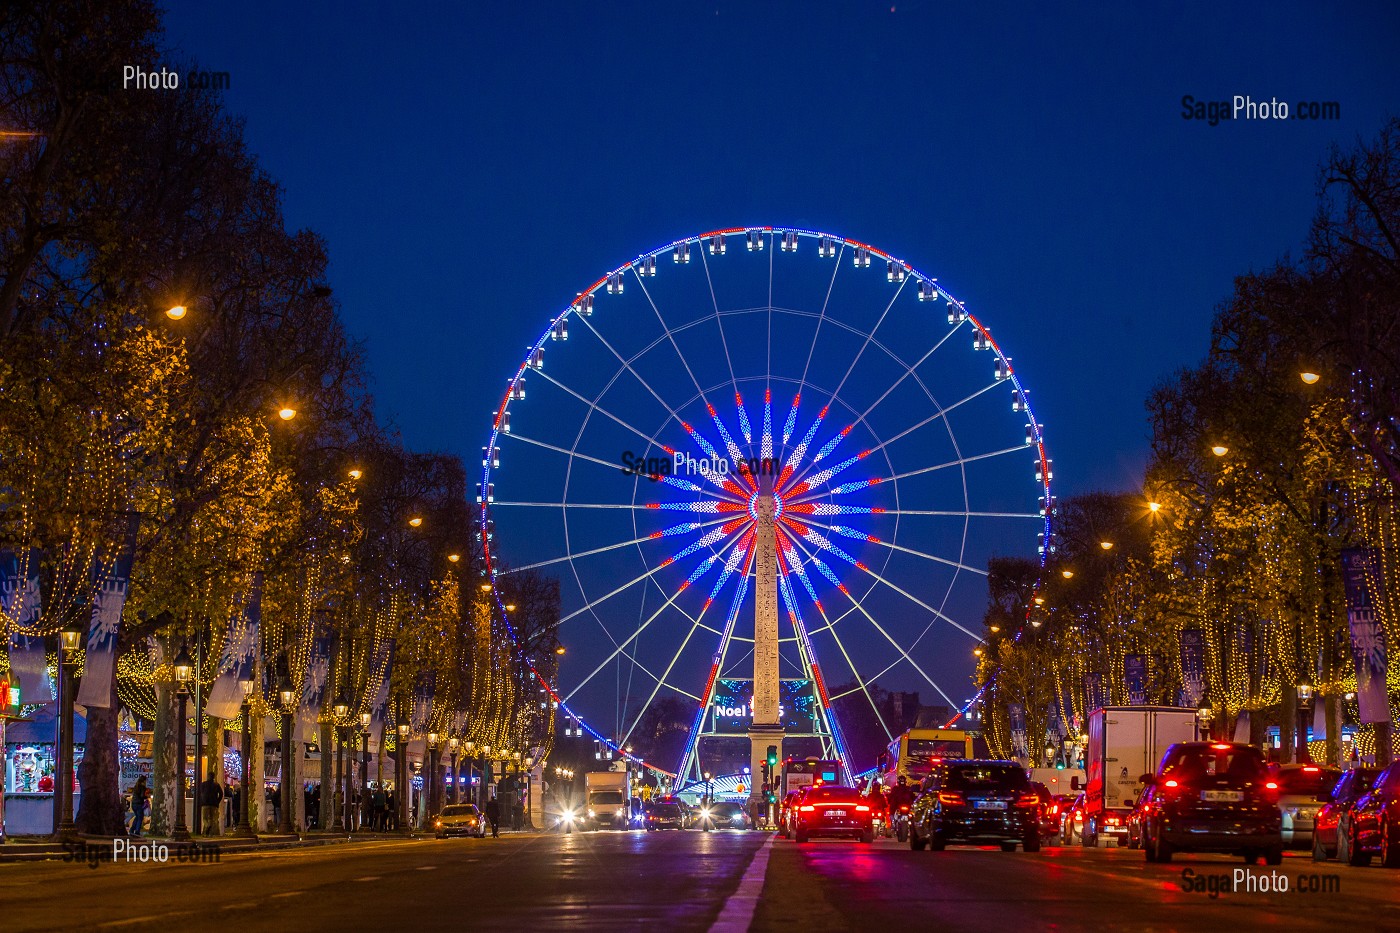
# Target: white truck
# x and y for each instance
(608, 800)
(1126, 742)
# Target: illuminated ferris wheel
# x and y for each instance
(625, 457)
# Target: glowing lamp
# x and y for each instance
(454, 557)
(184, 669)
(175, 312)
(415, 521)
(287, 414)
(1309, 378)
(1220, 450)
(356, 473)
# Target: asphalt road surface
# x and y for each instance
(687, 881)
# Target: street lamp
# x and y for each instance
(184, 670)
(342, 709)
(1220, 450)
(1305, 699)
(452, 744)
(245, 828)
(431, 778)
(415, 521)
(454, 557)
(288, 793)
(69, 639)
(469, 747)
(287, 414)
(1310, 378)
(365, 719)
(356, 473)
(401, 777)
(176, 312)
(1067, 574)
(1205, 715)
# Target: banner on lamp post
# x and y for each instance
(1193, 665)
(313, 688)
(236, 659)
(19, 606)
(1135, 678)
(1361, 578)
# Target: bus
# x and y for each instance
(911, 754)
(802, 772)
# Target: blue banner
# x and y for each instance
(1135, 678)
(423, 701)
(111, 577)
(1193, 665)
(19, 607)
(1361, 578)
(1094, 690)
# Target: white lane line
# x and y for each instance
(739, 909)
(426, 868)
(286, 894)
(369, 878)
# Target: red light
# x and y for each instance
(1113, 821)
(808, 808)
(950, 798)
(1221, 747)
(1311, 768)
(1271, 785)
(1170, 784)
(862, 808)
(1030, 800)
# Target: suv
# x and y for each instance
(664, 814)
(976, 802)
(1302, 790)
(1330, 827)
(1212, 797)
(1374, 825)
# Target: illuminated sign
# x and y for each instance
(731, 711)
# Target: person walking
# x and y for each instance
(390, 816)
(274, 800)
(211, 795)
(378, 802)
(493, 815)
(140, 802)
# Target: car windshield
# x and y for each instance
(986, 778)
(725, 809)
(1306, 780)
(833, 792)
(459, 809)
(605, 797)
(1194, 762)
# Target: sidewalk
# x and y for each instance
(39, 848)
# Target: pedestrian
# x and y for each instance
(390, 817)
(140, 801)
(211, 795)
(235, 804)
(274, 800)
(313, 812)
(378, 802)
(519, 815)
(493, 815)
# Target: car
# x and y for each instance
(459, 819)
(1330, 826)
(1212, 797)
(727, 815)
(976, 803)
(1132, 824)
(1072, 821)
(1049, 813)
(794, 800)
(833, 810)
(1302, 790)
(664, 814)
(1373, 827)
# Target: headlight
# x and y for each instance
(437, 824)
(471, 822)
(705, 814)
(568, 816)
(738, 818)
(591, 814)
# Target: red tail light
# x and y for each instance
(903, 808)
(807, 808)
(1113, 821)
(1171, 784)
(862, 808)
(1030, 800)
(1311, 768)
(1271, 785)
(951, 798)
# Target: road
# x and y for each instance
(677, 882)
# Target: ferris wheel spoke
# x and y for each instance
(821, 318)
(846, 531)
(909, 370)
(572, 556)
(594, 405)
(871, 336)
(954, 513)
(940, 415)
(961, 461)
(627, 365)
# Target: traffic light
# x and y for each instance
(772, 756)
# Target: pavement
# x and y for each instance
(677, 882)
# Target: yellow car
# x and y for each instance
(459, 819)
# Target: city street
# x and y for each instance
(680, 881)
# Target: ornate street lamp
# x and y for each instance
(1205, 716)
(245, 828)
(452, 744)
(342, 709)
(69, 639)
(401, 777)
(184, 670)
(288, 793)
(430, 779)
(365, 720)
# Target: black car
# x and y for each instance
(726, 815)
(665, 815)
(978, 803)
(1212, 797)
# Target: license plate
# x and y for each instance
(1222, 796)
(835, 812)
(991, 805)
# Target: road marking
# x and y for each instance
(738, 911)
(369, 878)
(426, 868)
(286, 894)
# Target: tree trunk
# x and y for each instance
(257, 785)
(1288, 724)
(326, 818)
(101, 810)
(163, 755)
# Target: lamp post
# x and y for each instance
(184, 670)
(365, 719)
(342, 708)
(430, 779)
(705, 808)
(1204, 717)
(470, 748)
(288, 793)
(1305, 698)
(452, 744)
(69, 639)
(401, 778)
(485, 774)
(245, 828)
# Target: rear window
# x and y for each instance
(1306, 781)
(828, 792)
(1193, 762)
(666, 809)
(606, 797)
(986, 778)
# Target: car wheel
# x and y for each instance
(1087, 835)
(1008, 847)
(1273, 855)
(801, 836)
(1251, 857)
(868, 836)
(1354, 854)
(1390, 846)
(1032, 843)
(1162, 849)
(902, 833)
(1319, 851)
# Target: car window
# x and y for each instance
(459, 809)
(831, 792)
(606, 796)
(1194, 762)
(1306, 780)
(666, 809)
(993, 778)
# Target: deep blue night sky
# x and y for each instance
(473, 166)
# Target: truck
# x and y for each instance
(608, 800)
(1126, 742)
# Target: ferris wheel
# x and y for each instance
(624, 456)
